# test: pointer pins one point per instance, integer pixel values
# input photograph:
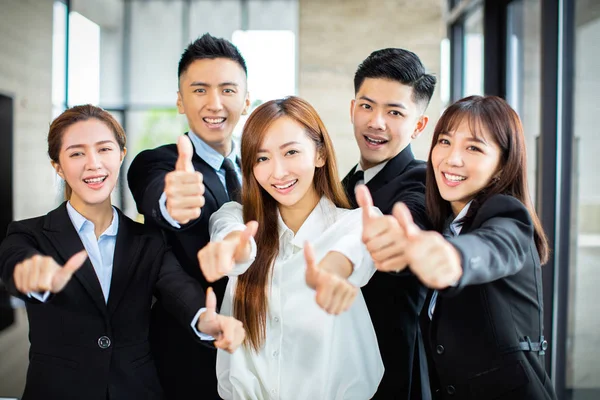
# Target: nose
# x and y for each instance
(279, 169)
(92, 161)
(377, 122)
(455, 158)
(214, 101)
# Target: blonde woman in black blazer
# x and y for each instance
(482, 320)
(89, 317)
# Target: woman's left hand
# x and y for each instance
(334, 293)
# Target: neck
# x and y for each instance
(295, 215)
(100, 215)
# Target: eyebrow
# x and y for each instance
(204, 84)
(397, 105)
(470, 139)
(96, 144)
(281, 147)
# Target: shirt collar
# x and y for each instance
(371, 172)
(210, 155)
(315, 224)
(457, 223)
(79, 221)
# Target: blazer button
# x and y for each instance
(450, 390)
(104, 342)
(439, 349)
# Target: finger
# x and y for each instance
(250, 231)
(312, 272)
(348, 299)
(185, 151)
(75, 262)
(364, 201)
(46, 275)
(18, 276)
(405, 219)
(211, 306)
(324, 295)
(34, 274)
(393, 264)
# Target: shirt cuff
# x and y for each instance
(41, 297)
(162, 203)
(202, 336)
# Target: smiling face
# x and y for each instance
(285, 164)
(464, 164)
(213, 95)
(385, 119)
(89, 162)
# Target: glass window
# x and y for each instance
(473, 53)
(583, 345)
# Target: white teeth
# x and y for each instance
(214, 120)
(286, 186)
(95, 180)
(375, 141)
(454, 178)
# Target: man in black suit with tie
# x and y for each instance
(178, 187)
(392, 91)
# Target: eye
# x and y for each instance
(366, 106)
(76, 154)
(228, 91)
(292, 152)
(396, 113)
(261, 159)
(104, 149)
(474, 148)
(200, 90)
(443, 141)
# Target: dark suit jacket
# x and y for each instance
(184, 366)
(473, 339)
(394, 301)
(82, 347)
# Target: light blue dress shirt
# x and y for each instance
(212, 158)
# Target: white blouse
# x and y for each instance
(308, 354)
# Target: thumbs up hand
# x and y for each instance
(43, 274)
(430, 256)
(218, 258)
(382, 235)
(334, 293)
(228, 332)
(184, 187)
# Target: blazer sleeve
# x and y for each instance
(179, 293)
(146, 180)
(20, 244)
(497, 245)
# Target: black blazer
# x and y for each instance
(82, 347)
(395, 301)
(480, 330)
(184, 366)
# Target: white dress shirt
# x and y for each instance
(308, 354)
(369, 172)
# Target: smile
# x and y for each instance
(214, 121)
(454, 178)
(375, 141)
(286, 186)
(98, 179)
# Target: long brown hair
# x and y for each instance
(77, 114)
(250, 301)
(494, 115)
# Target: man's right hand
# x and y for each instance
(184, 187)
(42, 274)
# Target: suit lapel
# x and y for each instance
(61, 233)
(212, 183)
(392, 169)
(125, 260)
(349, 191)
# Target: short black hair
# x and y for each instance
(210, 47)
(398, 65)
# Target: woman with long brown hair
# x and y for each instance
(482, 321)
(295, 348)
(88, 274)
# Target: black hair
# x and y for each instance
(210, 47)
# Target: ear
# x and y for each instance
(180, 107)
(246, 104)
(58, 169)
(421, 124)
(320, 161)
(352, 103)
(123, 154)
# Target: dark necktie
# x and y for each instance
(354, 179)
(231, 181)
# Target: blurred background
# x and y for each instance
(541, 55)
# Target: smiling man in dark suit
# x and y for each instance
(178, 187)
(392, 92)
